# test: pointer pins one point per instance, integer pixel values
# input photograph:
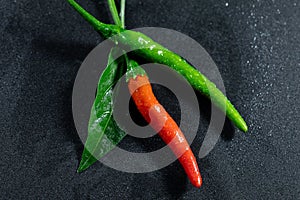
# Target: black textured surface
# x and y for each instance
(256, 47)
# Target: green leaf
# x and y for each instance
(103, 132)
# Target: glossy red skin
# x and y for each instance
(154, 113)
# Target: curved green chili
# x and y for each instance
(154, 52)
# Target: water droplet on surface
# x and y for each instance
(142, 41)
(160, 52)
(278, 11)
(157, 108)
(152, 47)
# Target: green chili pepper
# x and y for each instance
(154, 52)
(101, 125)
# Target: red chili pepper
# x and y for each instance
(154, 113)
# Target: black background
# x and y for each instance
(255, 44)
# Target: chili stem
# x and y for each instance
(87, 16)
(106, 30)
(122, 13)
(114, 12)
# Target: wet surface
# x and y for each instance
(255, 44)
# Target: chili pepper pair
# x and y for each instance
(141, 91)
(156, 53)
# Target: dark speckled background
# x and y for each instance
(256, 46)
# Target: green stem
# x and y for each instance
(114, 12)
(106, 30)
(122, 13)
(133, 69)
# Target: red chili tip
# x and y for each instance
(197, 182)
